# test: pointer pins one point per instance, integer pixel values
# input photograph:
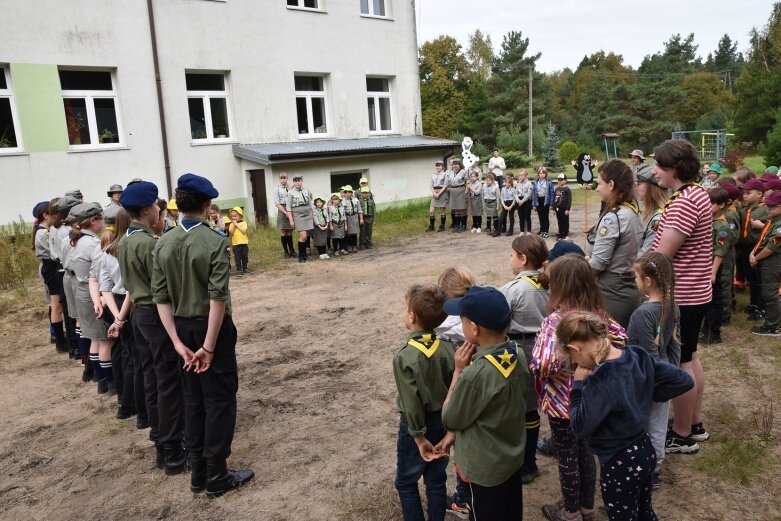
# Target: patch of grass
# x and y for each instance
(377, 503)
(733, 459)
(755, 163)
(19, 263)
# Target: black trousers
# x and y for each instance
(525, 216)
(542, 214)
(166, 364)
(241, 254)
(627, 488)
(210, 397)
(143, 358)
(563, 221)
(70, 324)
(504, 502)
(713, 319)
(503, 218)
(751, 275)
(122, 360)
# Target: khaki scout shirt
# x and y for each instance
(190, 268)
(423, 369)
(135, 262)
(724, 238)
(748, 234)
(771, 238)
(487, 412)
(366, 199)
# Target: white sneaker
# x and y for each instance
(323, 256)
(528, 233)
(478, 230)
(472, 230)
(566, 238)
(326, 256)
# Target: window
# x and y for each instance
(306, 4)
(373, 7)
(379, 104)
(207, 101)
(310, 105)
(91, 115)
(10, 138)
(338, 180)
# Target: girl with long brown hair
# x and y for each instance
(652, 200)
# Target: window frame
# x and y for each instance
(206, 96)
(319, 9)
(377, 95)
(371, 14)
(8, 93)
(309, 95)
(89, 97)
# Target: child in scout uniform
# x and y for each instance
(366, 198)
(508, 207)
(652, 198)
(724, 239)
(766, 257)
(320, 231)
(423, 370)
(491, 192)
(284, 216)
(161, 367)
(195, 309)
(523, 202)
(753, 218)
(172, 215)
(237, 231)
(299, 204)
(49, 273)
(732, 213)
(485, 407)
(439, 196)
(337, 224)
(354, 216)
(457, 189)
(474, 193)
(59, 243)
(562, 203)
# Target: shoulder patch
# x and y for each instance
(655, 225)
(723, 234)
(603, 231)
(778, 230)
(731, 226)
(607, 220)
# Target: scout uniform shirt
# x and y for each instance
(490, 192)
(423, 369)
(527, 300)
(487, 410)
(203, 252)
(298, 197)
(748, 234)
(458, 179)
(280, 196)
(42, 249)
(351, 206)
(770, 238)
(649, 232)
(367, 204)
(439, 180)
(135, 262)
(523, 191)
(724, 237)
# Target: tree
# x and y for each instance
(700, 93)
(679, 57)
(568, 152)
(725, 58)
(444, 84)
(480, 55)
(771, 149)
(550, 147)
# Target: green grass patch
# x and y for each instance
(733, 459)
(755, 163)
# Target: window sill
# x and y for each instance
(96, 149)
(14, 153)
(205, 142)
(383, 133)
(375, 17)
(309, 137)
(307, 9)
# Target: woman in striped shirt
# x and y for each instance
(684, 237)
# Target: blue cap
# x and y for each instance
(37, 208)
(139, 195)
(197, 184)
(484, 306)
(563, 248)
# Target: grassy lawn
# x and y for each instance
(755, 163)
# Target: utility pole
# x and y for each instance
(531, 139)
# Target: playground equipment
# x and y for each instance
(712, 143)
(610, 138)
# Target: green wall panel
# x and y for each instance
(39, 103)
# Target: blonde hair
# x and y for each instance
(456, 281)
(582, 326)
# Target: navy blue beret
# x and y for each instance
(484, 306)
(564, 248)
(37, 208)
(139, 195)
(196, 184)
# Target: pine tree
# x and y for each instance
(550, 147)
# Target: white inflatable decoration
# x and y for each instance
(468, 157)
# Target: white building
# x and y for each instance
(247, 89)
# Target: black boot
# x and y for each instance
(301, 251)
(283, 240)
(197, 474)
(430, 224)
(160, 456)
(61, 343)
(290, 248)
(222, 480)
(175, 458)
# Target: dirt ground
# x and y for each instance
(316, 401)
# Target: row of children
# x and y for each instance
(158, 337)
(341, 224)
(466, 194)
(480, 364)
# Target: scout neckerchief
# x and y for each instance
(338, 214)
(134, 228)
(747, 221)
(677, 193)
(352, 206)
(505, 359)
(631, 207)
(301, 197)
(766, 229)
(426, 344)
(533, 280)
(322, 216)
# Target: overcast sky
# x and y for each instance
(566, 30)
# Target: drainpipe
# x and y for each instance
(158, 83)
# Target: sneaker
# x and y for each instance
(344, 252)
(757, 316)
(565, 238)
(326, 256)
(557, 512)
(677, 444)
(699, 433)
(655, 481)
(766, 331)
(322, 257)
(545, 447)
(460, 511)
(477, 230)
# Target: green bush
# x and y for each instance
(512, 138)
(515, 159)
(771, 148)
(568, 152)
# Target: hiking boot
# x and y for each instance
(88, 374)
(197, 474)
(175, 458)
(430, 228)
(766, 331)
(699, 433)
(676, 444)
(457, 509)
(112, 388)
(441, 228)
(123, 413)
(103, 386)
(221, 479)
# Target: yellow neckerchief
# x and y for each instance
(505, 360)
(631, 207)
(531, 280)
(426, 344)
(678, 193)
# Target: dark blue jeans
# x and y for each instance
(410, 467)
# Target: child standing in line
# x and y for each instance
(572, 287)
(753, 219)
(766, 257)
(523, 198)
(423, 369)
(237, 231)
(527, 295)
(610, 405)
(320, 231)
(654, 327)
(562, 203)
(652, 199)
(484, 408)
(353, 214)
(491, 193)
(508, 207)
(474, 192)
(732, 213)
(338, 225)
(366, 199)
(49, 273)
(542, 198)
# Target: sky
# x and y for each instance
(566, 30)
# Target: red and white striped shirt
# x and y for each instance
(690, 214)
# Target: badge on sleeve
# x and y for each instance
(607, 220)
(723, 234)
(603, 231)
(655, 225)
